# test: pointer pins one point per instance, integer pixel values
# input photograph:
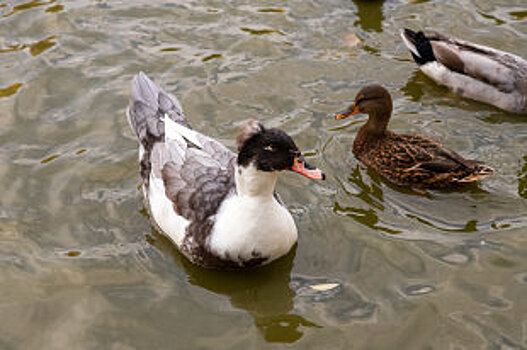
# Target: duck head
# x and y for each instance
(375, 101)
(272, 150)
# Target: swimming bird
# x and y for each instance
(405, 159)
(220, 209)
(474, 71)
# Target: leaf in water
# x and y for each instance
(81, 151)
(211, 57)
(324, 286)
(10, 90)
(41, 46)
(73, 253)
(56, 8)
(49, 159)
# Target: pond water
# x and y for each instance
(376, 266)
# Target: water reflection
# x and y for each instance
(265, 292)
(370, 14)
(419, 85)
(522, 179)
(371, 194)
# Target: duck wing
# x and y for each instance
(411, 152)
(195, 172)
(409, 159)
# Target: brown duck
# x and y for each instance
(405, 159)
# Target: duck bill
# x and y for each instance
(304, 169)
(348, 112)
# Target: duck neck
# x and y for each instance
(251, 182)
(376, 125)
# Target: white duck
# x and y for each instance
(219, 209)
(471, 70)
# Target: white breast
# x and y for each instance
(252, 225)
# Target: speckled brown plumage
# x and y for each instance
(406, 159)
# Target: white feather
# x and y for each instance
(252, 220)
(162, 210)
(178, 132)
(246, 225)
(409, 44)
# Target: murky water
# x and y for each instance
(376, 266)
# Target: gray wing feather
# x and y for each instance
(196, 177)
(197, 189)
(148, 105)
(493, 67)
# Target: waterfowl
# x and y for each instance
(220, 209)
(405, 159)
(473, 71)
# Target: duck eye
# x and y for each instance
(269, 148)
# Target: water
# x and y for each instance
(376, 266)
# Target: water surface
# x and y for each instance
(376, 266)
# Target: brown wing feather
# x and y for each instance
(420, 161)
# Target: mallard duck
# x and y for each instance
(474, 71)
(220, 209)
(405, 159)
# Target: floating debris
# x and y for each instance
(318, 289)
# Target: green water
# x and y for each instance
(80, 265)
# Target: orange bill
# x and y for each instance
(301, 167)
(351, 110)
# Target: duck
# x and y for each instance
(471, 70)
(219, 208)
(411, 160)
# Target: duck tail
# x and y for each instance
(479, 172)
(419, 46)
(147, 108)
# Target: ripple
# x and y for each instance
(261, 31)
(10, 90)
(418, 289)
(56, 8)
(272, 10)
(214, 56)
(12, 48)
(28, 5)
(49, 159)
(521, 277)
(456, 259)
(518, 15)
(42, 45)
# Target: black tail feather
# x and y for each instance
(421, 44)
